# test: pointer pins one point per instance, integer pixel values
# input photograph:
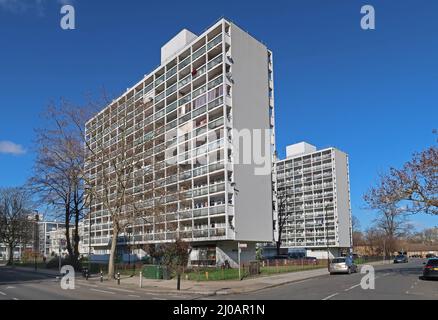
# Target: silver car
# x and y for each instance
(342, 265)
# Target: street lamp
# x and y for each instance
(35, 239)
(89, 242)
(130, 232)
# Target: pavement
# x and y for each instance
(392, 282)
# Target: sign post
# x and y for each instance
(240, 247)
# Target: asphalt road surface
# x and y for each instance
(392, 282)
(28, 285)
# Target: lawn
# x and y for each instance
(233, 274)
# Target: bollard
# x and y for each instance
(141, 279)
(206, 276)
(101, 276)
(118, 278)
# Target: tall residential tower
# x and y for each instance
(184, 120)
(315, 186)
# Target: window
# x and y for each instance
(199, 102)
(215, 93)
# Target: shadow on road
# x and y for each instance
(10, 275)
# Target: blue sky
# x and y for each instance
(372, 94)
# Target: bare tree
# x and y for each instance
(15, 226)
(391, 219)
(113, 168)
(283, 215)
(357, 235)
(355, 224)
(58, 171)
(374, 241)
(414, 186)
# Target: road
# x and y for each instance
(392, 282)
(28, 285)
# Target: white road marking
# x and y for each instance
(158, 299)
(2, 293)
(89, 285)
(331, 296)
(7, 288)
(351, 288)
(133, 296)
(103, 291)
(15, 299)
(122, 290)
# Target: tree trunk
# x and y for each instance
(67, 231)
(278, 247)
(178, 283)
(112, 259)
(76, 238)
(11, 255)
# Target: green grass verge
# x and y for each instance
(233, 274)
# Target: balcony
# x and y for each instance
(218, 232)
(217, 60)
(185, 81)
(214, 83)
(159, 80)
(198, 53)
(185, 99)
(217, 210)
(200, 192)
(200, 233)
(202, 212)
(214, 42)
(216, 124)
(218, 187)
(171, 72)
(185, 63)
(215, 103)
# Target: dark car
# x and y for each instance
(280, 257)
(401, 259)
(430, 256)
(430, 270)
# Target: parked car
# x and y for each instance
(342, 265)
(401, 259)
(280, 257)
(430, 270)
(430, 256)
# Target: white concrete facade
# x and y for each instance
(316, 185)
(187, 108)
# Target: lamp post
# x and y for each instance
(36, 237)
(89, 242)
